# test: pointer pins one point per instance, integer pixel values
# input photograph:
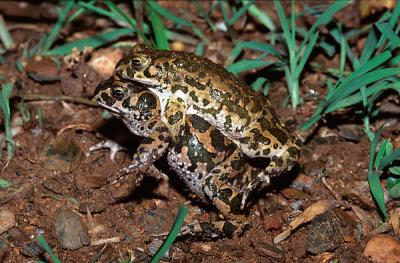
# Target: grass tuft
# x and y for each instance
(172, 235)
(383, 160)
(5, 94)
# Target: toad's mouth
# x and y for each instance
(111, 109)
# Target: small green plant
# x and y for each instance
(298, 55)
(372, 73)
(4, 184)
(5, 94)
(383, 159)
(42, 241)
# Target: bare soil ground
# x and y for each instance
(57, 182)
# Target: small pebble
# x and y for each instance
(69, 229)
(7, 220)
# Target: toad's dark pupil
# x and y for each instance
(136, 62)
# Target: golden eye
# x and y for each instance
(118, 93)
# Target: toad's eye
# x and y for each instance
(119, 93)
(139, 62)
(136, 62)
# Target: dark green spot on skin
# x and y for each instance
(147, 74)
(224, 195)
(193, 95)
(177, 87)
(216, 171)
(218, 141)
(174, 118)
(275, 146)
(265, 123)
(162, 129)
(199, 123)
(147, 140)
(228, 229)
(244, 140)
(235, 204)
(194, 83)
(280, 135)
(259, 138)
(205, 102)
(266, 152)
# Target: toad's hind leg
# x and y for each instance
(222, 187)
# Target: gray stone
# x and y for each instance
(69, 229)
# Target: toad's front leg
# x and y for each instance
(150, 149)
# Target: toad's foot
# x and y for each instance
(215, 229)
(108, 144)
(114, 147)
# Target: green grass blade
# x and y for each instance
(5, 36)
(170, 16)
(377, 191)
(5, 109)
(285, 26)
(158, 29)
(131, 21)
(240, 12)
(372, 150)
(326, 16)
(355, 84)
(171, 236)
(204, 15)
(306, 55)
(395, 170)
(79, 11)
(380, 153)
(342, 61)
(43, 243)
(258, 83)
(95, 42)
(254, 45)
(395, 15)
(199, 49)
(387, 31)
(376, 88)
(369, 46)
(247, 64)
(261, 17)
(55, 32)
(329, 49)
(100, 11)
(388, 159)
